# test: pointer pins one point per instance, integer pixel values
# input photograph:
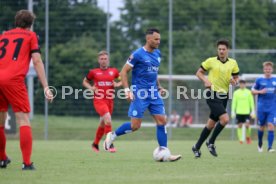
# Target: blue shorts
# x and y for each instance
(266, 117)
(139, 105)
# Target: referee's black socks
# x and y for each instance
(219, 127)
(203, 136)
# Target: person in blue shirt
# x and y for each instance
(265, 88)
(145, 91)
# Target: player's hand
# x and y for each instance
(207, 84)
(161, 91)
(117, 84)
(233, 82)
(253, 115)
(94, 89)
(129, 95)
(233, 115)
(49, 95)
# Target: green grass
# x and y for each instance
(67, 157)
(73, 162)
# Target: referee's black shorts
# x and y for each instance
(217, 103)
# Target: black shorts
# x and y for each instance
(243, 118)
(217, 104)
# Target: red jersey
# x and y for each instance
(16, 47)
(103, 80)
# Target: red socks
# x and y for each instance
(107, 129)
(26, 143)
(3, 155)
(101, 131)
(99, 134)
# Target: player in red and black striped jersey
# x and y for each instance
(101, 82)
(17, 47)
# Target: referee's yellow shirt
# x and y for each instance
(220, 73)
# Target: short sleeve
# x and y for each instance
(236, 69)
(206, 65)
(132, 60)
(117, 73)
(34, 44)
(256, 85)
(90, 75)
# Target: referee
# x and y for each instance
(222, 71)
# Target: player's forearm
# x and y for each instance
(39, 68)
(236, 78)
(256, 92)
(124, 79)
(233, 109)
(201, 76)
(86, 84)
(252, 103)
(158, 84)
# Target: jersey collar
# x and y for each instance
(222, 61)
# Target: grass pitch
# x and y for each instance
(73, 162)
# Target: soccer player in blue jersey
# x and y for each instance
(265, 88)
(145, 91)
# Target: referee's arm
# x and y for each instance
(201, 75)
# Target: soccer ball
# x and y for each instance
(161, 154)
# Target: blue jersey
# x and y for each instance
(145, 66)
(266, 101)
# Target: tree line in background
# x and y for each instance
(77, 31)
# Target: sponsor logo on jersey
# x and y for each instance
(263, 83)
(153, 69)
(105, 83)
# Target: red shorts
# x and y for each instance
(103, 106)
(16, 96)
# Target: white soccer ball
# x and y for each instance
(161, 154)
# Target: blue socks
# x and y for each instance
(260, 138)
(161, 135)
(270, 138)
(123, 129)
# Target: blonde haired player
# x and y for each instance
(101, 81)
(265, 88)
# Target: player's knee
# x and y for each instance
(3, 116)
(22, 119)
(108, 122)
(135, 127)
(210, 126)
(161, 122)
(224, 119)
(261, 128)
(270, 126)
